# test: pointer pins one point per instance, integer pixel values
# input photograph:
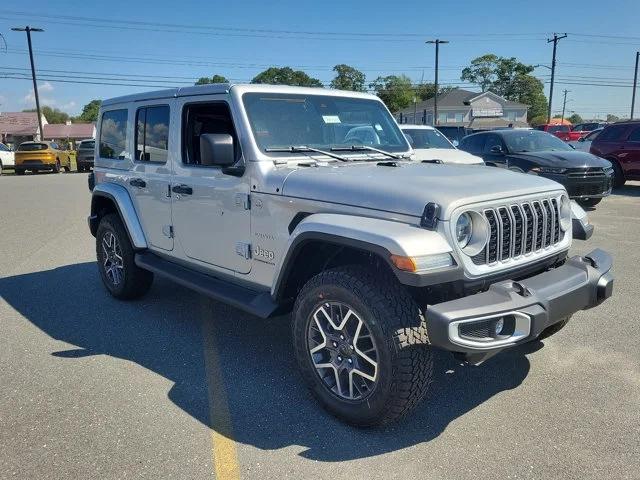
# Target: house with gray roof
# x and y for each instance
(462, 108)
(18, 127)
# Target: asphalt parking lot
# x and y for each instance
(177, 386)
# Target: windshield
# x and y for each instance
(426, 138)
(279, 121)
(534, 141)
(32, 147)
(88, 144)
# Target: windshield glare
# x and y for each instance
(426, 138)
(534, 141)
(321, 121)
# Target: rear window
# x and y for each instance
(91, 144)
(32, 147)
(558, 128)
(113, 134)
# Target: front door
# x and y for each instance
(211, 215)
(150, 178)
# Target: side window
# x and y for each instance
(473, 144)
(492, 141)
(152, 134)
(635, 135)
(612, 133)
(54, 146)
(113, 134)
(203, 118)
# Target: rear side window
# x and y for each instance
(152, 134)
(32, 147)
(634, 136)
(473, 144)
(113, 134)
(612, 133)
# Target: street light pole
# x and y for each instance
(437, 43)
(635, 85)
(29, 29)
(553, 70)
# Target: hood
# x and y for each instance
(408, 187)
(447, 155)
(572, 159)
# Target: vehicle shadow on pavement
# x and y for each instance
(628, 190)
(269, 404)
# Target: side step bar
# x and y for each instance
(260, 304)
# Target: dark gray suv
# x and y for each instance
(85, 155)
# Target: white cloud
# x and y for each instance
(45, 87)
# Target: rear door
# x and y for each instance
(149, 179)
(630, 156)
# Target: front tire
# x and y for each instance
(618, 174)
(589, 202)
(361, 344)
(116, 262)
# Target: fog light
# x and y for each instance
(499, 326)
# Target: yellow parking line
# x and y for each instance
(225, 455)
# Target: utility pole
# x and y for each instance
(29, 29)
(564, 105)
(437, 43)
(555, 39)
(635, 84)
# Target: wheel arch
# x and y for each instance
(111, 198)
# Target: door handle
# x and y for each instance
(182, 189)
(137, 182)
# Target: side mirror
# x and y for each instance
(497, 149)
(216, 149)
(455, 143)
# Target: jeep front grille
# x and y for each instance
(520, 229)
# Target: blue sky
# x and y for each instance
(378, 37)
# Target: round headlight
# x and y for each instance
(464, 229)
(565, 213)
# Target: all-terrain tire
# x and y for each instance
(135, 281)
(396, 323)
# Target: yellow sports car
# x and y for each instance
(36, 156)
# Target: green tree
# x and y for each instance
(425, 91)
(482, 71)
(612, 118)
(53, 115)
(396, 91)
(286, 76)
(510, 79)
(214, 79)
(348, 78)
(575, 118)
(90, 111)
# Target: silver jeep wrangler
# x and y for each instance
(284, 199)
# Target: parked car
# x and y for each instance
(7, 157)
(561, 131)
(38, 156)
(583, 144)
(586, 177)
(265, 201)
(431, 145)
(85, 155)
(620, 144)
(455, 134)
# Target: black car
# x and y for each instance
(586, 177)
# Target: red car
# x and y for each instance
(620, 144)
(569, 133)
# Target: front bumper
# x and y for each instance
(583, 187)
(529, 306)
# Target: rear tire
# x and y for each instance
(19, 171)
(394, 339)
(116, 262)
(589, 202)
(56, 167)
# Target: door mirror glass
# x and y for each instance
(455, 143)
(496, 149)
(216, 149)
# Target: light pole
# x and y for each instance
(564, 105)
(553, 69)
(437, 43)
(635, 84)
(29, 29)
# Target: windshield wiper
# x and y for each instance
(360, 148)
(305, 148)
